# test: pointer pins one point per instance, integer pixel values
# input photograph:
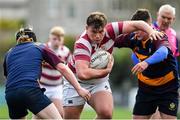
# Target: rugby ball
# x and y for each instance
(99, 59)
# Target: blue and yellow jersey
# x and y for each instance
(157, 74)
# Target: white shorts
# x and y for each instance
(72, 98)
(53, 91)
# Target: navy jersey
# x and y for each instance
(156, 74)
(22, 64)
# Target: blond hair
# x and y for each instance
(57, 31)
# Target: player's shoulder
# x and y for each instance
(9, 51)
(84, 40)
(83, 36)
(38, 43)
(40, 46)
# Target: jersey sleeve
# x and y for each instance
(81, 52)
(114, 29)
(159, 55)
(49, 56)
(124, 40)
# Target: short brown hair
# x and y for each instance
(97, 20)
(141, 14)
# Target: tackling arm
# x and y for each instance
(131, 26)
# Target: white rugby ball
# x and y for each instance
(99, 59)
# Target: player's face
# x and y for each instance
(165, 19)
(56, 41)
(96, 35)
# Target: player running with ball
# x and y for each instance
(51, 79)
(98, 35)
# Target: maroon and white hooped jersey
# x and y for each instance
(84, 47)
(50, 76)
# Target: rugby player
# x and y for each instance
(165, 18)
(22, 68)
(52, 79)
(98, 35)
(156, 72)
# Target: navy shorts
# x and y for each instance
(22, 99)
(147, 103)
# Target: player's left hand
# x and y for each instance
(156, 35)
(140, 67)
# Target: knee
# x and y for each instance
(105, 113)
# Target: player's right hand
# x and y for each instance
(84, 93)
(140, 67)
(156, 35)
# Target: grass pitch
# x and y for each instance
(119, 113)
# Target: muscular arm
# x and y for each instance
(131, 26)
(84, 72)
(68, 74)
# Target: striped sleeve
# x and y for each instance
(49, 56)
(82, 50)
(114, 29)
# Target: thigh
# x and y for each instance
(58, 104)
(166, 116)
(16, 106)
(73, 112)
(168, 104)
(101, 97)
(141, 117)
(49, 112)
(145, 104)
(36, 101)
(102, 101)
(156, 115)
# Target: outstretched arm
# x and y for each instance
(131, 26)
(69, 75)
(157, 57)
(50, 57)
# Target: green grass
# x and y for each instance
(119, 113)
